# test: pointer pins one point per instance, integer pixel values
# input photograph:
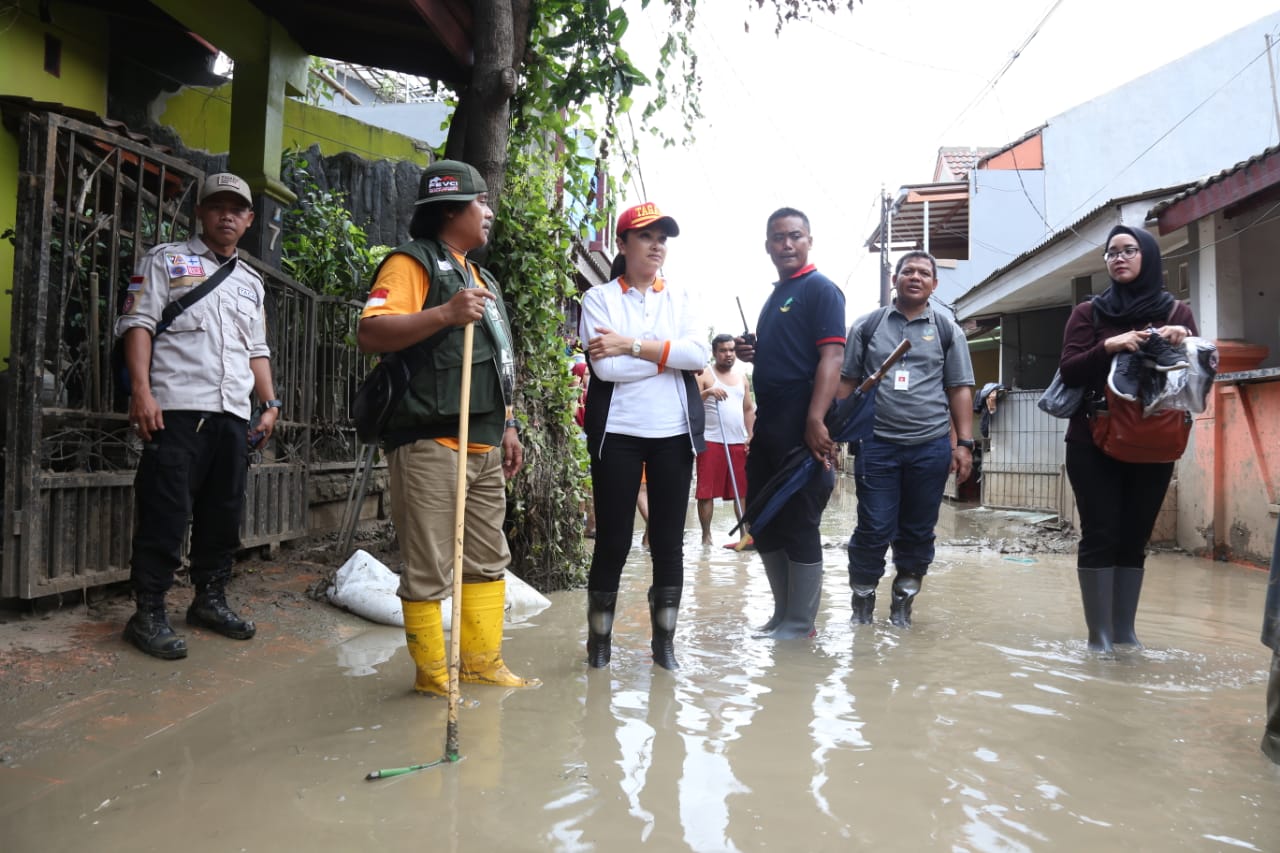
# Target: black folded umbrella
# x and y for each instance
(850, 419)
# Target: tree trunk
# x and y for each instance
(482, 123)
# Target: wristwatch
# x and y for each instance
(966, 443)
(273, 404)
(512, 423)
(635, 347)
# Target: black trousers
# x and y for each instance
(192, 472)
(795, 529)
(1118, 503)
(615, 484)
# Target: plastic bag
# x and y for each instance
(1186, 390)
(1060, 399)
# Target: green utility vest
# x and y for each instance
(430, 407)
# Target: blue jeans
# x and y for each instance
(899, 492)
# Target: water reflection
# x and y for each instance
(986, 727)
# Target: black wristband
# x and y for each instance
(512, 423)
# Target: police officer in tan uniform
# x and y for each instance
(190, 407)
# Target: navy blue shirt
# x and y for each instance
(804, 313)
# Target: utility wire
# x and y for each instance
(1004, 69)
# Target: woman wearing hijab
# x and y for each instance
(1117, 501)
(644, 340)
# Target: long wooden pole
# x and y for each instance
(459, 534)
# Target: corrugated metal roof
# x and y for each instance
(1208, 182)
(1070, 230)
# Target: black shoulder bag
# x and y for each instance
(384, 386)
(120, 370)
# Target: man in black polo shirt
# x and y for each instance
(797, 353)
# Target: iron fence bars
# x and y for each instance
(91, 202)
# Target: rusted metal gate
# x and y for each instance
(90, 204)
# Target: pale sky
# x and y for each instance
(824, 115)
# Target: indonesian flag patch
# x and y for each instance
(377, 298)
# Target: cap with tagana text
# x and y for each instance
(450, 180)
(644, 215)
(225, 182)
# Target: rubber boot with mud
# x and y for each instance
(483, 611)
(600, 606)
(804, 593)
(149, 629)
(424, 635)
(906, 586)
(210, 610)
(775, 569)
(1128, 586)
(664, 605)
(1271, 737)
(1097, 591)
(864, 603)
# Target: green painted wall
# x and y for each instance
(81, 82)
(202, 117)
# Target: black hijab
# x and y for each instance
(1144, 298)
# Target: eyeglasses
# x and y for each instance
(1128, 253)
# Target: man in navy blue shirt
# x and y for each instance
(797, 353)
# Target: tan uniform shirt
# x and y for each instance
(201, 362)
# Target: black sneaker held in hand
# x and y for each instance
(1124, 380)
(1164, 355)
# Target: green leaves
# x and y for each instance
(322, 247)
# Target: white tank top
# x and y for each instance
(728, 427)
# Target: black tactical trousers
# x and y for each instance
(192, 472)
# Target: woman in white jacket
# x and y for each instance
(644, 342)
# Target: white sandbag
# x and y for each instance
(523, 600)
(366, 587)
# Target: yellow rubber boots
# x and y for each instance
(483, 606)
(425, 637)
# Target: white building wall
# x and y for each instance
(1181, 122)
(1009, 206)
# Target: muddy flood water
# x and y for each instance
(985, 727)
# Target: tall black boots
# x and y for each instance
(149, 630)
(664, 604)
(600, 606)
(1097, 591)
(1128, 586)
(906, 586)
(864, 603)
(210, 610)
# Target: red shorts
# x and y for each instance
(713, 472)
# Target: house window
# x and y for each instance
(53, 55)
(1182, 289)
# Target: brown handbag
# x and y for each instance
(1121, 431)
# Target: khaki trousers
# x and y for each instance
(423, 488)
